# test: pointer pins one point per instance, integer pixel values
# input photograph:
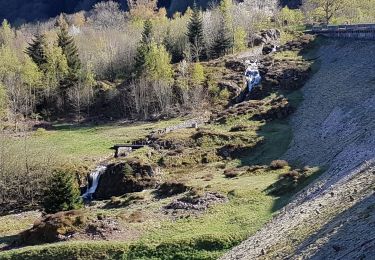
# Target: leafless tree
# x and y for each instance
(107, 15)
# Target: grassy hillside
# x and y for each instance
(233, 157)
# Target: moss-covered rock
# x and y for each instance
(53, 228)
(125, 177)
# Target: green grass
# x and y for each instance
(206, 235)
(79, 143)
(276, 138)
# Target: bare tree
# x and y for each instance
(329, 7)
(107, 15)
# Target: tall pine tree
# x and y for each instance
(70, 50)
(223, 42)
(144, 48)
(195, 34)
(37, 50)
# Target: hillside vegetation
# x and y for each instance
(218, 165)
(204, 167)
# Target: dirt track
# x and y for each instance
(334, 127)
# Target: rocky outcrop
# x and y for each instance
(125, 177)
(280, 109)
(52, 228)
(231, 86)
(303, 42)
(269, 109)
(265, 37)
(69, 225)
(197, 202)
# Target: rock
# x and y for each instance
(265, 37)
(268, 48)
(230, 86)
(336, 248)
(171, 188)
(235, 65)
(53, 228)
(199, 203)
(125, 177)
(257, 40)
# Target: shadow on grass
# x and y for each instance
(276, 136)
(6, 242)
(291, 189)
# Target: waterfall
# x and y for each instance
(93, 181)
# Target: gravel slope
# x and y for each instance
(334, 127)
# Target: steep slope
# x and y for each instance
(333, 128)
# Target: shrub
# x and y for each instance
(62, 193)
(3, 101)
(224, 94)
(239, 128)
(197, 75)
(171, 188)
(40, 132)
(278, 164)
(136, 217)
(240, 37)
(231, 173)
(288, 182)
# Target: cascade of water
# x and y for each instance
(94, 181)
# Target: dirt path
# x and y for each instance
(334, 127)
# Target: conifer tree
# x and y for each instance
(147, 32)
(70, 50)
(143, 48)
(62, 193)
(195, 33)
(223, 42)
(37, 50)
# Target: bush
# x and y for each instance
(136, 217)
(288, 182)
(197, 75)
(171, 188)
(3, 101)
(231, 173)
(239, 128)
(240, 39)
(278, 164)
(62, 193)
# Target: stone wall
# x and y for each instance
(356, 31)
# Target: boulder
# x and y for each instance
(230, 86)
(55, 227)
(257, 40)
(197, 202)
(265, 37)
(268, 48)
(125, 177)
